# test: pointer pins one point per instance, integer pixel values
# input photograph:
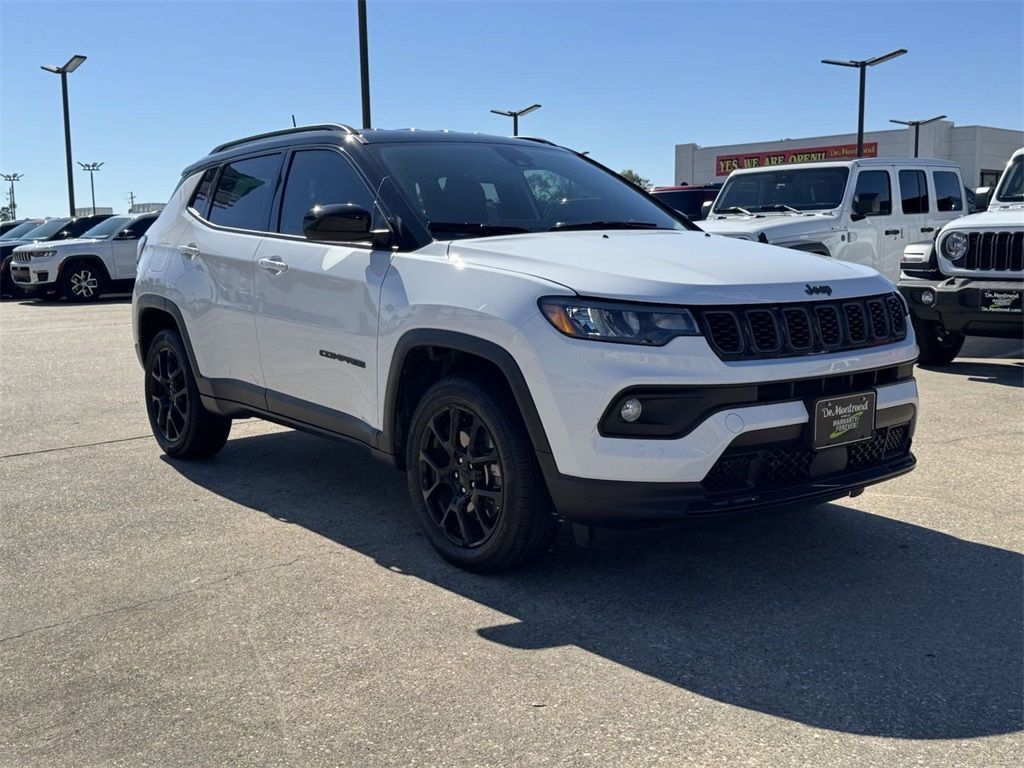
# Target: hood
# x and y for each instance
(48, 244)
(669, 266)
(994, 217)
(774, 225)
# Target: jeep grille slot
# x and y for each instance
(805, 328)
(993, 252)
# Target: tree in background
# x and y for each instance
(6, 214)
(630, 175)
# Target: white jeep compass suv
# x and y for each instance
(526, 335)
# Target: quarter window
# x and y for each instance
(947, 191)
(243, 194)
(201, 198)
(319, 177)
(873, 195)
(914, 192)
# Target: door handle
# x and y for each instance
(274, 265)
(927, 229)
(188, 251)
(892, 231)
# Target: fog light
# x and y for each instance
(631, 410)
(927, 298)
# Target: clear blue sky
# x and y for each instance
(166, 81)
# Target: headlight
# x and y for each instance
(955, 246)
(45, 254)
(619, 322)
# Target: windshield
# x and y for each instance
(47, 229)
(478, 189)
(108, 227)
(15, 233)
(1011, 187)
(787, 189)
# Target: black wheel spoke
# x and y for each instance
(169, 400)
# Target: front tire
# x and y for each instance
(82, 281)
(938, 346)
(474, 479)
(181, 425)
(7, 285)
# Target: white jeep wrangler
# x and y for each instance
(864, 211)
(969, 281)
(529, 337)
(102, 259)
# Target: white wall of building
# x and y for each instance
(976, 148)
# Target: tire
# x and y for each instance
(474, 480)
(938, 346)
(82, 281)
(8, 287)
(181, 425)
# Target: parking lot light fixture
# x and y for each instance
(916, 125)
(11, 178)
(862, 66)
(91, 168)
(72, 64)
(515, 114)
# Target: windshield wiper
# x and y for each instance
(780, 207)
(475, 228)
(563, 226)
(734, 209)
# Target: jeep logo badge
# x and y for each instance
(814, 290)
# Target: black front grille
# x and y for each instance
(782, 466)
(994, 251)
(751, 332)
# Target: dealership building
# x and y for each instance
(980, 151)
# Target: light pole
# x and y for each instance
(863, 67)
(12, 177)
(916, 125)
(91, 168)
(73, 63)
(364, 63)
(515, 115)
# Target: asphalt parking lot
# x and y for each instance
(276, 605)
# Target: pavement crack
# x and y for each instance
(152, 600)
(72, 447)
(965, 438)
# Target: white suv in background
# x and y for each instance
(526, 335)
(102, 259)
(863, 211)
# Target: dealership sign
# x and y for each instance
(726, 164)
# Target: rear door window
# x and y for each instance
(913, 192)
(244, 191)
(947, 191)
(874, 189)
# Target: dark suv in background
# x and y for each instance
(688, 199)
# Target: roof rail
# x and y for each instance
(537, 139)
(346, 129)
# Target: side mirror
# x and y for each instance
(865, 204)
(981, 198)
(338, 223)
(125, 234)
(705, 209)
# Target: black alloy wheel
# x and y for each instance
(168, 395)
(460, 476)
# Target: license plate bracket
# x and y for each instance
(1002, 301)
(844, 420)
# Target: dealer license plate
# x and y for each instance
(844, 420)
(1001, 301)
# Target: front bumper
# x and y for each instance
(957, 305)
(35, 276)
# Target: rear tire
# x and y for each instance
(474, 479)
(938, 346)
(82, 281)
(181, 425)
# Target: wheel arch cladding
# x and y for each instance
(424, 356)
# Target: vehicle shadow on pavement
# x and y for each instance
(832, 617)
(1010, 374)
